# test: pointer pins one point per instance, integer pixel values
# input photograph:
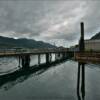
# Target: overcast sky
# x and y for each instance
(49, 20)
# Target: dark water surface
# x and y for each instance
(56, 83)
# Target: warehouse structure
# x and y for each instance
(92, 45)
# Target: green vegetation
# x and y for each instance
(6, 42)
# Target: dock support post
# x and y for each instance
(19, 58)
(25, 61)
(63, 55)
(47, 58)
(39, 59)
(57, 56)
(50, 57)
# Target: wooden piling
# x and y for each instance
(47, 58)
(19, 61)
(25, 61)
(39, 59)
(50, 57)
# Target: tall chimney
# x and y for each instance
(81, 41)
(82, 30)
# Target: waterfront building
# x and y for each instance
(92, 45)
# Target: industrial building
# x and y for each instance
(92, 45)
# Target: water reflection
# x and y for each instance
(81, 81)
(9, 80)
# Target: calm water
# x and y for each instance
(56, 83)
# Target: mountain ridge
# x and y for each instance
(6, 42)
(96, 36)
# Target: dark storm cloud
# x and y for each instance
(48, 19)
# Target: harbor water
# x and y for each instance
(55, 83)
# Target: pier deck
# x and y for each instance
(32, 52)
(88, 57)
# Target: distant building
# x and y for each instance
(74, 48)
(63, 48)
(92, 45)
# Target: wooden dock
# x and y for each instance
(87, 57)
(32, 52)
(25, 56)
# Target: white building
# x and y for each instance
(92, 45)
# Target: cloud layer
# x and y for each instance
(49, 20)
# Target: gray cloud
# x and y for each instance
(49, 19)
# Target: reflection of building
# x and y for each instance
(92, 45)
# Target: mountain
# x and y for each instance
(6, 42)
(96, 37)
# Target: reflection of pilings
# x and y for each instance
(25, 61)
(22, 74)
(39, 59)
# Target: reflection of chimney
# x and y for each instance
(81, 42)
